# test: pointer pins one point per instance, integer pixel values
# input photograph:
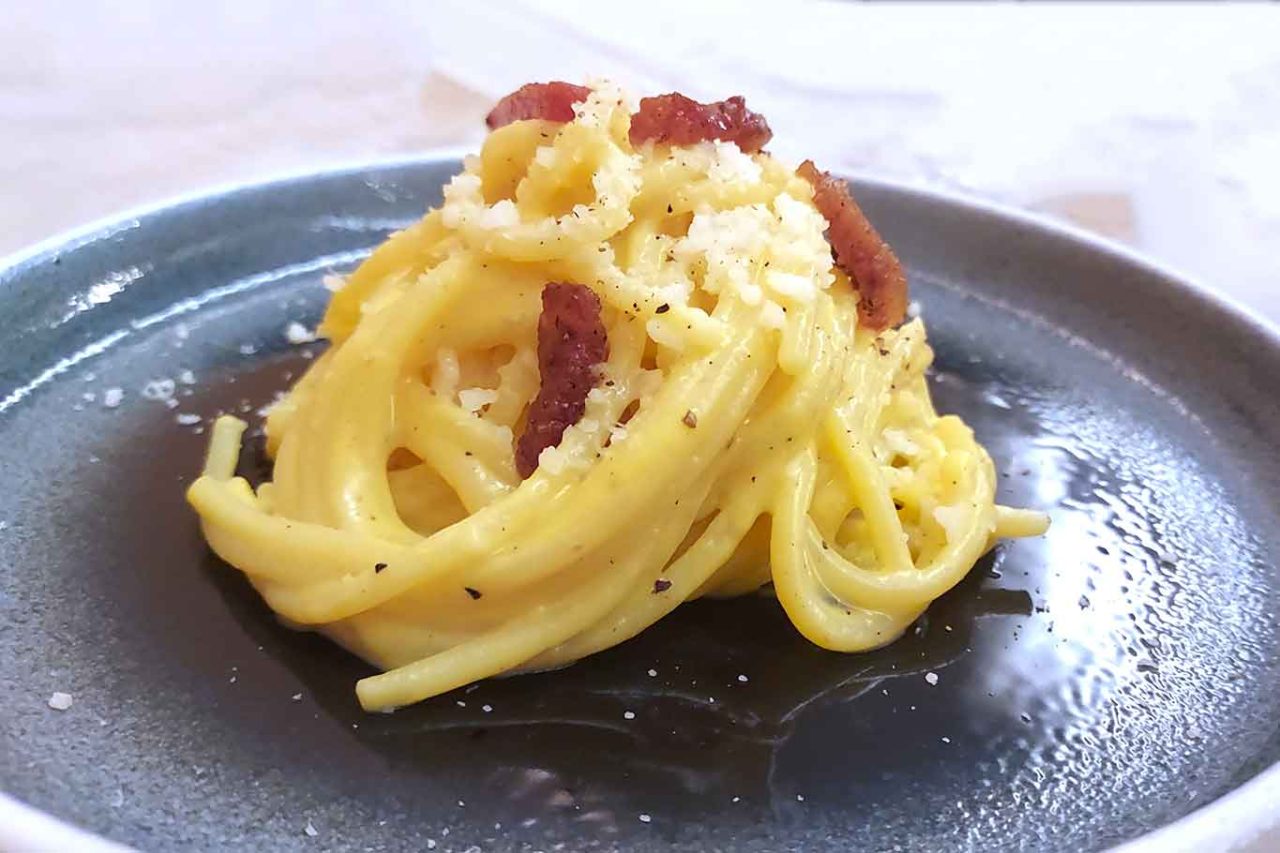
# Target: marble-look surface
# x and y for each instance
(1158, 126)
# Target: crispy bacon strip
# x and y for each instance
(860, 251)
(673, 119)
(571, 346)
(550, 101)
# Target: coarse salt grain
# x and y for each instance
(248, 349)
(310, 829)
(628, 715)
(653, 673)
(297, 697)
(296, 333)
(743, 679)
(186, 419)
(333, 283)
(60, 701)
(644, 818)
(488, 709)
(931, 677)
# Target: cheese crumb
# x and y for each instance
(795, 287)
(60, 701)
(730, 165)
(899, 442)
(112, 397)
(475, 399)
(186, 419)
(501, 215)
(186, 377)
(953, 519)
(552, 460)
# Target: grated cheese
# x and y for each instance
(160, 390)
(475, 399)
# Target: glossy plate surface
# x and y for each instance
(1074, 692)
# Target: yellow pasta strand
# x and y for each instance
(745, 432)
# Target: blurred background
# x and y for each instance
(1158, 126)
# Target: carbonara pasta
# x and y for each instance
(746, 425)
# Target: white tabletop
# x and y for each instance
(1157, 126)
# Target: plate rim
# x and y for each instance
(1237, 818)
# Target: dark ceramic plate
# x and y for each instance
(1091, 686)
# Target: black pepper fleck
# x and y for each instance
(690, 419)
(661, 585)
(377, 567)
(474, 593)
(662, 309)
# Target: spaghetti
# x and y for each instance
(743, 427)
